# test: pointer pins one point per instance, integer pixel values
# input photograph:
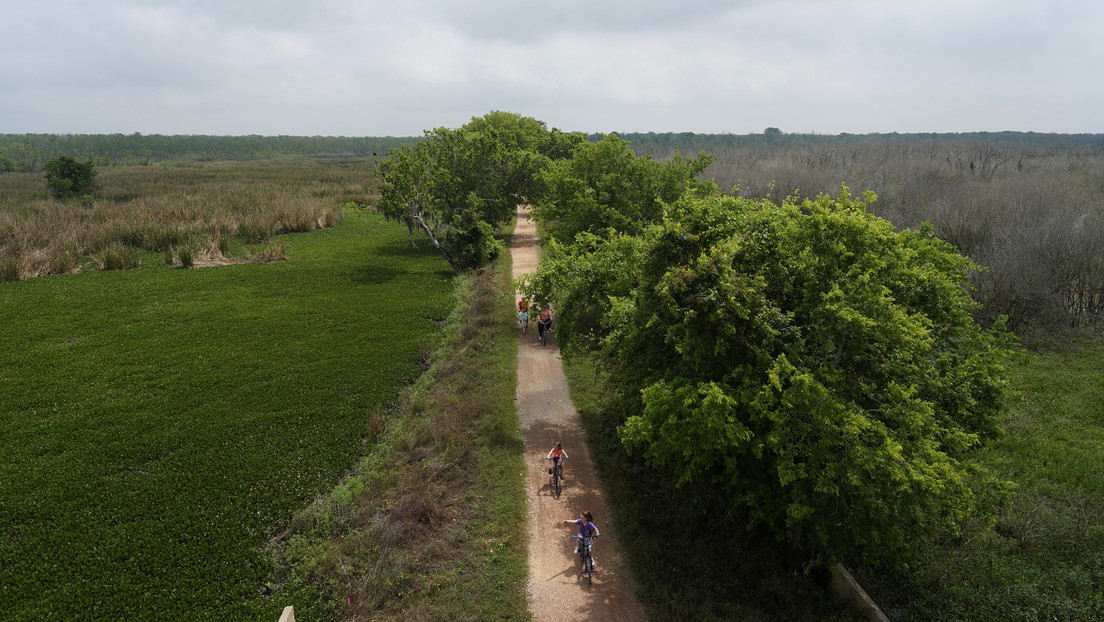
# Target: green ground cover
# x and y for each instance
(160, 425)
(431, 524)
(1044, 560)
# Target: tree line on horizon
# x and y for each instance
(29, 152)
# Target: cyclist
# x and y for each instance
(587, 532)
(557, 455)
(544, 322)
(523, 311)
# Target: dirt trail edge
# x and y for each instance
(557, 592)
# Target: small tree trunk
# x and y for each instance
(433, 238)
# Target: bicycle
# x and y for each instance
(544, 328)
(586, 558)
(556, 479)
(523, 319)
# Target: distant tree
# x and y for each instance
(19, 156)
(65, 177)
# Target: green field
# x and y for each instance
(159, 426)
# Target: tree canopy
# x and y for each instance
(65, 177)
(459, 185)
(605, 186)
(807, 363)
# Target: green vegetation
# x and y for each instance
(690, 561)
(164, 429)
(603, 186)
(1045, 558)
(431, 526)
(459, 186)
(1028, 208)
(161, 426)
(803, 367)
(65, 177)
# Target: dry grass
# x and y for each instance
(172, 206)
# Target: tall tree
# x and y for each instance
(65, 177)
(605, 186)
(459, 185)
(807, 364)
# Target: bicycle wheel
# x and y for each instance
(556, 482)
(543, 332)
(525, 326)
(589, 563)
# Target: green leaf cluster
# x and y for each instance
(459, 185)
(65, 177)
(813, 367)
(604, 186)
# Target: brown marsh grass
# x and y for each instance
(166, 207)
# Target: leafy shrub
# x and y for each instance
(786, 357)
(65, 177)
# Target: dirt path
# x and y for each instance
(556, 591)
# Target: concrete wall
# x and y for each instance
(845, 586)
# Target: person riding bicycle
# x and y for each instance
(544, 322)
(587, 532)
(557, 455)
(523, 311)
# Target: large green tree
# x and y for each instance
(604, 186)
(807, 364)
(66, 177)
(459, 185)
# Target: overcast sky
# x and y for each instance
(368, 68)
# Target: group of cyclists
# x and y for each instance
(585, 523)
(544, 320)
(587, 529)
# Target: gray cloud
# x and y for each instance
(371, 68)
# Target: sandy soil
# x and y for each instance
(557, 592)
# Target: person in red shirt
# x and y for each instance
(523, 314)
(556, 455)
